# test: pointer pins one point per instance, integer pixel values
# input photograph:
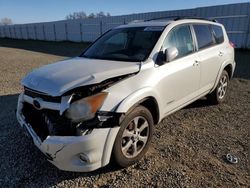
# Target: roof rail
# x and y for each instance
(164, 17)
(199, 18)
(174, 18)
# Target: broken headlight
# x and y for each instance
(86, 108)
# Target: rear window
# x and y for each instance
(203, 35)
(218, 34)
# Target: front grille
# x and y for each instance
(47, 122)
(36, 94)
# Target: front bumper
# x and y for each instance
(67, 152)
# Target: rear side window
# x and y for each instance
(204, 36)
(218, 34)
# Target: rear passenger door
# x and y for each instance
(210, 54)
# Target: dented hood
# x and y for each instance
(58, 78)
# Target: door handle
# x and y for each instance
(221, 54)
(196, 63)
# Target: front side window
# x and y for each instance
(203, 35)
(125, 44)
(181, 38)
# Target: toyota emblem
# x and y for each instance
(37, 103)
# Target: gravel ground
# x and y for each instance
(188, 147)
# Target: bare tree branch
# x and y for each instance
(82, 15)
(6, 21)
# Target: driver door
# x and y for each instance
(179, 79)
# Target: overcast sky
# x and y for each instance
(29, 11)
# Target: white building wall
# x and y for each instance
(235, 17)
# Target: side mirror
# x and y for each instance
(171, 53)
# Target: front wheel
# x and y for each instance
(134, 137)
(219, 94)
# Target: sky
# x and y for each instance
(31, 11)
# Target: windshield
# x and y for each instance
(125, 44)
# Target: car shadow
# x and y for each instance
(65, 48)
(242, 59)
(22, 161)
(200, 103)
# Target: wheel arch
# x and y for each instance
(229, 67)
(151, 104)
(145, 97)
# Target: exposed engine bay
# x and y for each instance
(47, 122)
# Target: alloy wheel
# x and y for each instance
(222, 87)
(135, 137)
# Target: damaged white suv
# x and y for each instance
(82, 111)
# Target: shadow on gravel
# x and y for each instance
(203, 102)
(66, 49)
(242, 58)
(22, 164)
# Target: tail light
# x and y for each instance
(232, 44)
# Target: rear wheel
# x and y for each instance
(134, 137)
(219, 94)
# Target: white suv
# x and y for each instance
(81, 111)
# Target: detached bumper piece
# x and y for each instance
(61, 141)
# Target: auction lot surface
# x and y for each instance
(188, 146)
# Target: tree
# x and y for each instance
(82, 15)
(6, 21)
(76, 15)
(92, 15)
(100, 14)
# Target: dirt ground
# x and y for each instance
(188, 148)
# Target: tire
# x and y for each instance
(219, 94)
(129, 139)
